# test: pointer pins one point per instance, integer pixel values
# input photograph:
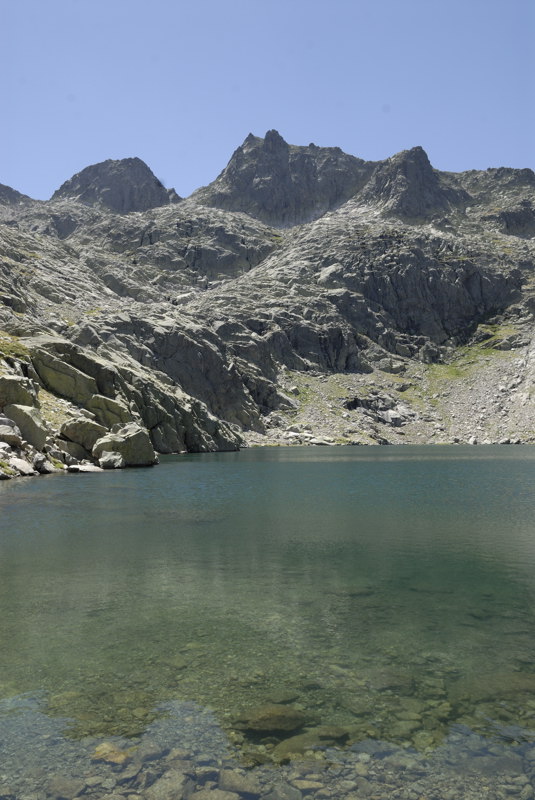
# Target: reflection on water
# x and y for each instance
(386, 593)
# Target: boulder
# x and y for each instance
(83, 431)
(111, 460)
(107, 411)
(62, 378)
(22, 466)
(131, 441)
(173, 785)
(18, 390)
(73, 449)
(9, 433)
(83, 468)
(243, 784)
(43, 465)
(30, 423)
(322, 736)
(272, 717)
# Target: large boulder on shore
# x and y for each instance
(131, 441)
(29, 421)
(83, 431)
(18, 390)
(9, 433)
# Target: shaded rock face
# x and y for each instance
(282, 184)
(122, 186)
(9, 196)
(406, 185)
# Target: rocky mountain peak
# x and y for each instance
(406, 185)
(122, 185)
(283, 184)
(274, 143)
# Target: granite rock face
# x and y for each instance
(123, 186)
(407, 186)
(259, 308)
(131, 442)
(282, 184)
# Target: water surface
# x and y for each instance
(386, 590)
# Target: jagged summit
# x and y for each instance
(406, 185)
(123, 185)
(284, 184)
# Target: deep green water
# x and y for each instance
(390, 590)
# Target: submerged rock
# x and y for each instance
(272, 717)
(108, 751)
(322, 736)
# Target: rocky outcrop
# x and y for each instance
(10, 433)
(82, 431)
(123, 186)
(282, 184)
(123, 390)
(62, 378)
(29, 421)
(17, 389)
(131, 442)
(407, 186)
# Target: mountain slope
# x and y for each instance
(401, 312)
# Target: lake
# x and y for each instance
(382, 596)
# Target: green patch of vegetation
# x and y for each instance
(4, 466)
(413, 398)
(56, 462)
(468, 358)
(447, 372)
(12, 347)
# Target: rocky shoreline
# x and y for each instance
(186, 755)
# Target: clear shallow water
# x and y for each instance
(389, 591)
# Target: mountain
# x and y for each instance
(123, 186)
(282, 184)
(305, 296)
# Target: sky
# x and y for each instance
(181, 83)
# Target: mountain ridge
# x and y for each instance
(274, 304)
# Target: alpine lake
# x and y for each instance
(325, 622)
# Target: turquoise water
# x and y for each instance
(386, 590)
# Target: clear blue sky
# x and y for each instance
(181, 83)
